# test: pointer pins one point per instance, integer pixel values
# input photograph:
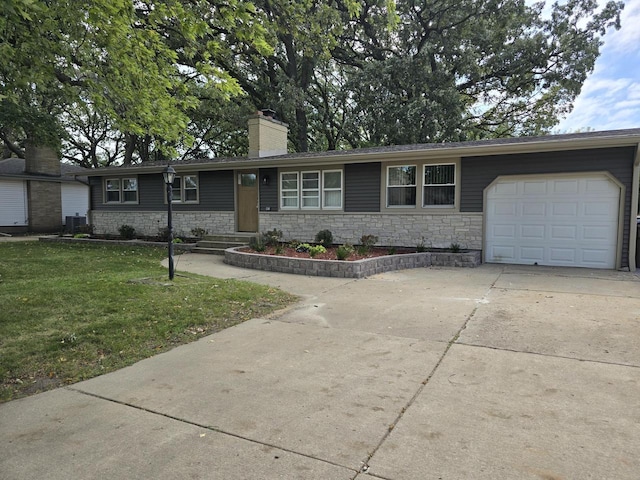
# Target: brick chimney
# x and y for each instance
(267, 136)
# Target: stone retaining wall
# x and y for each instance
(392, 229)
(349, 269)
(148, 223)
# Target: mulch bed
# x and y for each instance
(330, 253)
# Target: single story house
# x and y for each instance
(39, 196)
(560, 200)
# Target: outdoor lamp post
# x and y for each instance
(169, 175)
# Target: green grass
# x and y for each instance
(69, 312)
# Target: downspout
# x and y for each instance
(633, 227)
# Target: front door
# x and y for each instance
(248, 201)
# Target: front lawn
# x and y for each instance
(69, 312)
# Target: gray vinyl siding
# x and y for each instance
(479, 172)
(362, 187)
(215, 192)
(269, 193)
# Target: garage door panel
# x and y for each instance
(532, 232)
(504, 231)
(604, 208)
(531, 254)
(561, 256)
(564, 187)
(534, 187)
(564, 232)
(504, 209)
(534, 209)
(597, 233)
(574, 224)
(560, 209)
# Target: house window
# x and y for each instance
(332, 189)
(311, 190)
(439, 186)
(121, 190)
(314, 190)
(185, 189)
(289, 190)
(401, 186)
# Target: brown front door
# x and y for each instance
(248, 201)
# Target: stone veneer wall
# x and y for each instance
(408, 230)
(148, 223)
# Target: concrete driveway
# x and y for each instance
(498, 372)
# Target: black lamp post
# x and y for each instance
(169, 175)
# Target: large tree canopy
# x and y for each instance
(131, 80)
(130, 66)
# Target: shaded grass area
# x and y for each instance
(69, 312)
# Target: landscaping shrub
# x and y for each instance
(198, 232)
(272, 238)
(344, 251)
(316, 250)
(325, 237)
(127, 232)
(257, 243)
(454, 247)
(366, 243)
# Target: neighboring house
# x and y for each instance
(565, 200)
(37, 197)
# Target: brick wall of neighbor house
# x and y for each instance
(408, 230)
(149, 223)
(45, 206)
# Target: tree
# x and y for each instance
(133, 62)
(380, 73)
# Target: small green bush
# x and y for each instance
(344, 251)
(81, 235)
(177, 240)
(368, 240)
(454, 247)
(198, 232)
(392, 250)
(272, 237)
(316, 250)
(257, 243)
(325, 237)
(366, 243)
(303, 248)
(421, 247)
(127, 232)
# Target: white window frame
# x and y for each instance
(121, 190)
(304, 191)
(296, 190)
(181, 189)
(325, 190)
(301, 193)
(425, 185)
(414, 185)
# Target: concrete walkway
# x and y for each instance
(498, 372)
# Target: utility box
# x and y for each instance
(73, 223)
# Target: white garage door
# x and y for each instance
(75, 200)
(562, 221)
(13, 203)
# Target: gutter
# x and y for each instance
(390, 154)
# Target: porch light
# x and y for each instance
(169, 175)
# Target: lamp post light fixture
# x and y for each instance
(169, 175)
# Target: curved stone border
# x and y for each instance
(348, 269)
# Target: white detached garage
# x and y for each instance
(557, 220)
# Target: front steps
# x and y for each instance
(217, 244)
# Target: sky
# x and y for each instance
(610, 97)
